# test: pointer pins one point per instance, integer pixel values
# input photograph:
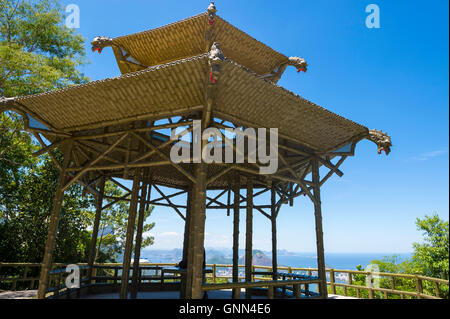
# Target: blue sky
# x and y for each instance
(394, 78)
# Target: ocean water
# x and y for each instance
(343, 261)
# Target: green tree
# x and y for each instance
(37, 51)
(113, 227)
(431, 258)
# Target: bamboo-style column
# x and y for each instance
(146, 189)
(273, 219)
(196, 253)
(235, 275)
(54, 220)
(319, 231)
(130, 235)
(187, 225)
(249, 236)
(98, 215)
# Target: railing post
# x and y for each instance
(370, 290)
(25, 273)
(436, 289)
(332, 282)
(297, 290)
(392, 282)
(419, 287)
(270, 292)
(214, 268)
(116, 274)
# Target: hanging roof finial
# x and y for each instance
(299, 63)
(215, 58)
(99, 43)
(211, 13)
(6, 101)
(382, 140)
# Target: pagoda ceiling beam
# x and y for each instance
(164, 157)
(93, 162)
(237, 121)
(163, 145)
(333, 170)
(169, 202)
(135, 130)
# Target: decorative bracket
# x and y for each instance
(99, 43)
(382, 140)
(299, 63)
(215, 59)
(7, 101)
(211, 13)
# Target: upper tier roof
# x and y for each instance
(191, 37)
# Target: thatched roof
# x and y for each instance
(188, 38)
(178, 87)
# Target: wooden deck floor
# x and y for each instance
(29, 294)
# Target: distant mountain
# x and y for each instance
(219, 259)
(259, 259)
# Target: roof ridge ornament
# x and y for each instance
(101, 42)
(211, 13)
(299, 63)
(215, 59)
(382, 140)
(7, 101)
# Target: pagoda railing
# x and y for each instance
(351, 283)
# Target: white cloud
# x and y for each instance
(168, 234)
(429, 155)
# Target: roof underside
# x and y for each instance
(188, 38)
(178, 87)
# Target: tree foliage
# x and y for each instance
(113, 227)
(430, 259)
(37, 51)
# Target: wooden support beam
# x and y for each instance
(249, 236)
(319, 231)
(146, 187)
(93, 162)
(214, 200)
(333, 170)
(196, 254)
(274, 232)
(47, 149)
(162, 146)
(54, 221)
(136, 130)
(169, 202)
(330, 165)
(98, 215)
(130, 235)
(164, 157)
(116, 200)
(119, 166)
(235, 274)
(187, 224)
(52, 157)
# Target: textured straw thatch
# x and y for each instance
(187, 38)
(178, 87)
